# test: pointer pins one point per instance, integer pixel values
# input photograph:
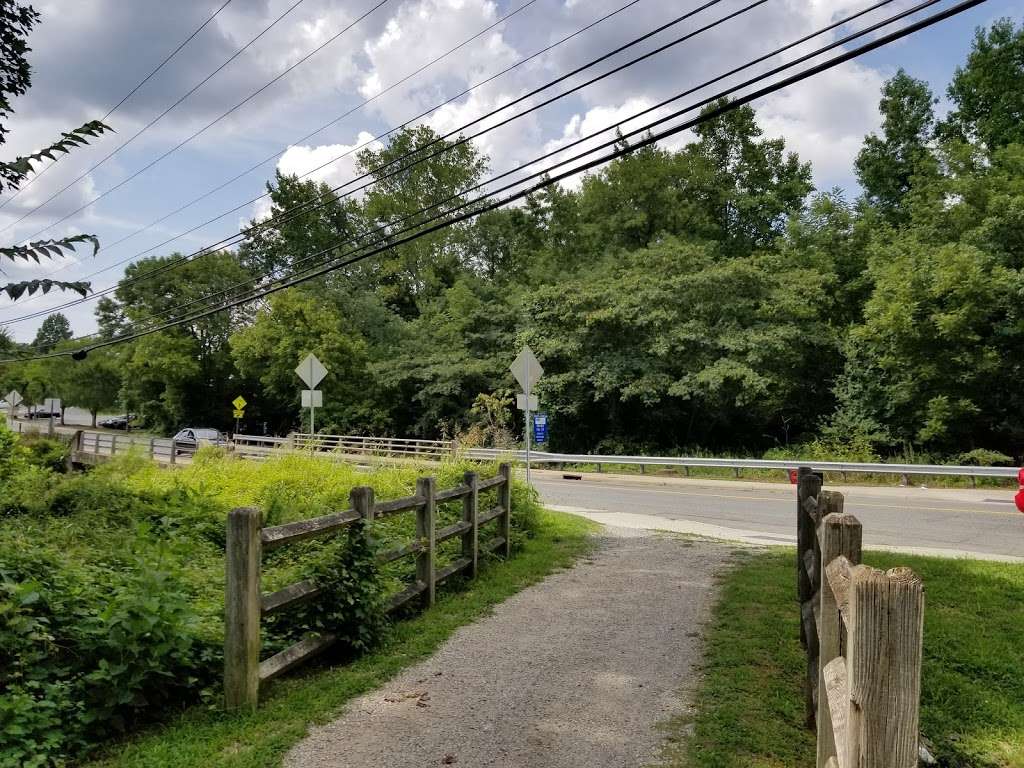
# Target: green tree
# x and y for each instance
(672, 346)
(94, 383)
(182, 374)
(16, 22)
(290, 327)
(429, 265)
(887, 164)
(988, 91)
(54, 329)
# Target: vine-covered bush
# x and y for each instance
(111, 583)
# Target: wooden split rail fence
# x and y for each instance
(863, 630)
(247, 539)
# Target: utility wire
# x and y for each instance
(618, 124)
(648, 140)
(417, 153)
(127, 96)
(322, 128)
(195, 134)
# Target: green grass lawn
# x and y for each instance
(208, 738)
(749, 706)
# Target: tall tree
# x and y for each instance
(988, 91)
(181, 374)
(415, 171)
(886, 164)
(53, 330)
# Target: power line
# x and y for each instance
(649, 110)
(648, 140)
(306, 207)
(127, 96)
(323, 127)
(195, 134)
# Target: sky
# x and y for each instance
(88, 54)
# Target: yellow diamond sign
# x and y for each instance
(239, 403)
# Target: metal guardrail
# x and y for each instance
(383, 446)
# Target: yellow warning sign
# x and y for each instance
(239, 403)
(239, 414)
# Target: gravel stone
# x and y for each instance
(574, 672)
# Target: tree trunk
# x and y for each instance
(93, 414)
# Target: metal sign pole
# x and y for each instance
(312, 417)
(527, 412)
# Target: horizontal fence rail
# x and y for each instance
(863, 631)
(247, 540)
(257, 446)
(383, 446)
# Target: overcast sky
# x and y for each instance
(87, 54)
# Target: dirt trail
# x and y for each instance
(573, 672)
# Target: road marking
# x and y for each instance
(776, 498)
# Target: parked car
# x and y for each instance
(188, 439)
(117, 422)
(42, 413)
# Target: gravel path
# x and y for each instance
(573, 672)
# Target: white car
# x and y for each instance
(189, 439)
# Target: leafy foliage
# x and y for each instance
(17, 171)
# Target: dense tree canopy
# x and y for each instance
(703, 297)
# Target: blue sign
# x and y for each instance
(540, 427)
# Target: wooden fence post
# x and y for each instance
(808, 486)
(470, 514)
(840, 535)
(242, 610)
(113, 445)
(505, 500)
(425, 526)
(152, 448)
(174, 451)
(362, 501)
(884, 633)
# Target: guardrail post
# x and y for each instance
(884, 667)
(242, 610)
(152, 448)
(505, 500)
(470, 512)
(425, 525)
(840, 535)
(113, 445)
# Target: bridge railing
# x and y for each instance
(406, 447)
(863, 630)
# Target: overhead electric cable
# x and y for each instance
(649, 139)
(463, 139)
(127, 96)
(193, 135)
(838, 43)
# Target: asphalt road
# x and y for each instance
(929, 521)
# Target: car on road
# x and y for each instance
(189, 439)
(116, 422)
(42, 413)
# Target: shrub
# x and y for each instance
(982, 457)
(46, 452)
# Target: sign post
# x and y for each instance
(312, 372)
(13, 401)
(527, 370)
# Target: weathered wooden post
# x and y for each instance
(242, 610)
(174, 451)
(362, 500)
(426, 487)
(808, 487)
(470, 514)
(505, 500)
(840, 536)
(885, 632)
(113, 445)
(152, 448)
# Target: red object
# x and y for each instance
(792, 481)
(1019, 498)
